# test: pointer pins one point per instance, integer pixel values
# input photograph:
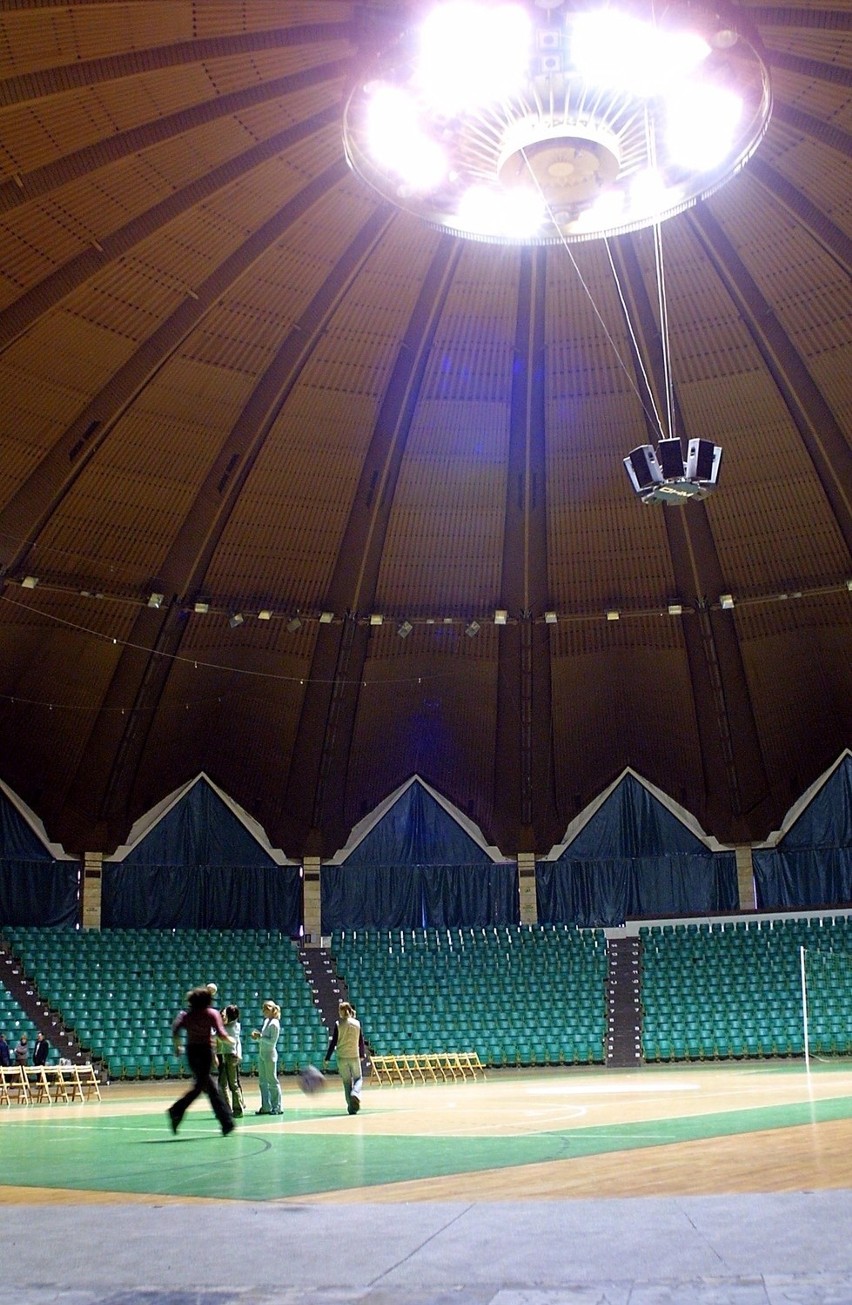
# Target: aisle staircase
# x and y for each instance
(624, 1004)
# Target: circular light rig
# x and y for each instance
(547, 121)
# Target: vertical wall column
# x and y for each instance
(312, 900)
(90, 892)
(526, 887)
(745, 878)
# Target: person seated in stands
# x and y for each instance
(5, 1053)
(41, 1050)
(22, 1051)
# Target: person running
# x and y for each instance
(267, 1063)
(229, 1060)
(348, 1040)
(200, 1022)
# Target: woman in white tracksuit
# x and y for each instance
(267, 1059)
(348, 1040)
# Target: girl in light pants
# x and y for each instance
(348, 1040)
(267, 1064)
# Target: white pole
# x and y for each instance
(805, 1007)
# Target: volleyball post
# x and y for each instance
(805, 1008)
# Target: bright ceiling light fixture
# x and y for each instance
(549, 121)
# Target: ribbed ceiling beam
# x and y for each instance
(30, 507)
(824, 132)
(110, 762)
(26, 186)
(821, 435)
(835, 242)
(731, 758)
(20, 315)
(525, 812)
(319, 762)
(828, 20)
(813, 69)
(84, 73)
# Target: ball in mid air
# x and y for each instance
(311, 1080)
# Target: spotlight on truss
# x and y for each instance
(663, 476)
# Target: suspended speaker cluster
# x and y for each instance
(663, 476)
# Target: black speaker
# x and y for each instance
(703, 461)
(643, 468)
(671, 459)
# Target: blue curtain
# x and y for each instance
(200, 868)
(418, 867)
(417, 830)
(38, 892)
(634, 858)
(812, 865)
(35, 889)
(371, 897)
(417, 897)
(455, 896)
(201, 897)
(606, 892)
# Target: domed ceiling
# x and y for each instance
(273, 449)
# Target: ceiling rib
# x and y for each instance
(835, 242)
(184, 569)
(15, 319)
(831, 20)
(135, 63)
(834, 137)
(30, 507)
(112, 149)
(821, 435)
(814, 69)
(318, 766)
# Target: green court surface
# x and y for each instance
(96, 1148)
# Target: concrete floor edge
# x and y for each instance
(761, 1249)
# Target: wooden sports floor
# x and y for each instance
(545, 1135)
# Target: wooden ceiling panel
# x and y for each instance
(796, 654)
(613, 708)
(439, 726)
(289, 520)
(826, 47)
(827, 101)
(223, 17)
(263, 66)
(39, 37)
(225, 362)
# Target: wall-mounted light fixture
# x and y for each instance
(726, 601)
(29, 582)
(501, 616)
(326, 618)
(472, 630)
(265, 614)
(235, 620)
(294, 625)
(156, 600)
(550, 618)
(405, 629)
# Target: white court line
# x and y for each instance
(609, 1089)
